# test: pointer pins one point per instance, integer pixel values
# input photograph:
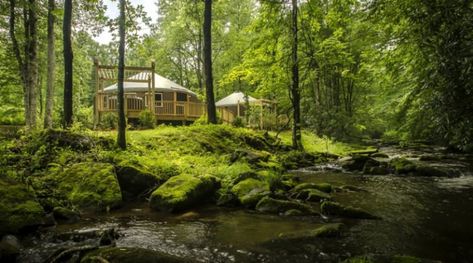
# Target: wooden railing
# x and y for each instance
(179, 108)
(162, 108)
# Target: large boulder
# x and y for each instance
(136, 181)
(19, 208)
(324, 187)
(354, 163)
(182, 192)
(9, 249)
(89, 185)
(424, 170)
(276, 206)
(312, 195)
(131, 255)
(250, 191)
(336, 209)
(402, 165)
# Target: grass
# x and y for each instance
(315, 144)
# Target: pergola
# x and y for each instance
(108, 73)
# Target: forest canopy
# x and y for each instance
(400, 70)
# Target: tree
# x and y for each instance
(209, 89)
(28, 67)
(68, 59)
(295, 95)
(48, 117)
(121, 140)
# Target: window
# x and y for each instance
(158, 98)
(181, 97)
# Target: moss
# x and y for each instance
(402, 165)
(250, 191)
(131, 255)
(271, 205)
(181, 192)
(359, 259)
(18, 207)
(313, 195)
(336, 209)
(89, 186)
(136, 180)
(324, 187)
(324, 231)
(296, 159)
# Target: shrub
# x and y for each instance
(147, 119)
(238, 122)
(109, 121)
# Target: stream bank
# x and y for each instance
(265, 214)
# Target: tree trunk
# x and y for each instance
(209, 89)
(32, 53)
(121, 140)
(68, 58)
(199, 62)
(48, 116)
(19, 59)
(296, 100)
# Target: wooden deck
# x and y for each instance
(167, 110)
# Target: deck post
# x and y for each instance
(238, 108)
(96, 97)
(175, 103)
(153, 87)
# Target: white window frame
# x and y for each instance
(159, 103)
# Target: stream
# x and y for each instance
(425, 217)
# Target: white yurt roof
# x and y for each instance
(161, 84)
(234, 99)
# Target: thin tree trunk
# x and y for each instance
(296, 100)
(19, 59)
(68, 59)
(121, 140)
(32, 62)
(199, 62)
(48, 117)
(209, 89)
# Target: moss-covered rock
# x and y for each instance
(324, 187)
(131, 255)
(354, 163)
(182, 192)
(65, 214)
(89, 185)
(402, 165)
(250, 156)
(250, 191)
(9, 249)
(336, 209)
(423, 170)
(19, 208)
(324, 231)
(276, 206)
(136, 181)
(297, 159)
(312, 195)
(379, 155)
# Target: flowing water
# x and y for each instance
(424, 217)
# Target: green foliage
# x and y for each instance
(109, 121)
(238, 122)
(147, 119)
(10, 115)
